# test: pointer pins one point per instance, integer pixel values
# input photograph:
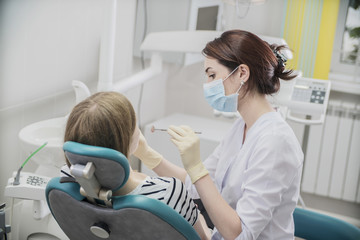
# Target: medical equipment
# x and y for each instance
(26, 185)
(89, 211)
(4, 229)
(30, 187)
(17, 177)
(153, 129)
(305, 96)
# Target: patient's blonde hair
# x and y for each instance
(105, 119)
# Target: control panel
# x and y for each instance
(310, 91)
(303, 97)
(309, 96)
(31, 186)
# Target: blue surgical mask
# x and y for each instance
(215, 95)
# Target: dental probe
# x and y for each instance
(153, 129)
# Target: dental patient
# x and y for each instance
(107, 119)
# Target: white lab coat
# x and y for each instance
(260, 179)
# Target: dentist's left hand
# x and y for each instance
(146, 154)
(188, 144)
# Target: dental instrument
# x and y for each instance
(153, 129)
(17, 177)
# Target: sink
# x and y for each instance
(51, 157)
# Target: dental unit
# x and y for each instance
(44, 140)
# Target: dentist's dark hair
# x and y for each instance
(265, 62)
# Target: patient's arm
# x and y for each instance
(201, 228)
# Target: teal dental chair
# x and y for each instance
(85, 208)
(311, 225)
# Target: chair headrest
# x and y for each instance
(111, 167)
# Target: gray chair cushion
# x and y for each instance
(77, 217)
(110, 175)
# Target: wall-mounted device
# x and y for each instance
(304, 96)
(205, 15)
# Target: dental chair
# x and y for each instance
(85, 208)
(311, 225)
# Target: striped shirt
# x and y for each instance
(170, 191)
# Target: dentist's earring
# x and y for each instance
(241, 84)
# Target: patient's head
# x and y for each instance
(105, 119)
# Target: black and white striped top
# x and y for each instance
(170, 191)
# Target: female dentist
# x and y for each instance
(250, 184)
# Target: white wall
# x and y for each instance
(265, 19)
(44, 45)
(162, 15)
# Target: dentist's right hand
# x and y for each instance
(146, 154)
(188, 144)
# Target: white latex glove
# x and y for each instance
(146, 154)
(188, 144)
